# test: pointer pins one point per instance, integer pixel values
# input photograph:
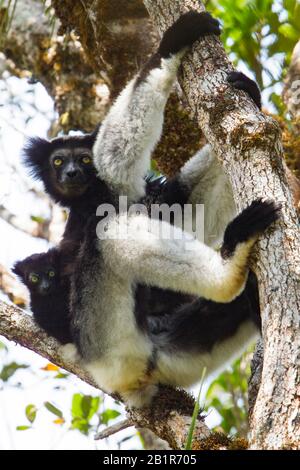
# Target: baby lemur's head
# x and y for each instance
(39, 272)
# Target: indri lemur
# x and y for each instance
(129, 356)
(65, 166)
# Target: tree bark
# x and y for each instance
(248, 144)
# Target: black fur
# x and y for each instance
(49, 299)
(240, 81)
(198, 326)
(250, 223)
(186, 30)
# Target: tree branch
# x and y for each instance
(249, 146)
(115, 428)
(30, 227)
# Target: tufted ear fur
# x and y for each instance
(18, 269)
(36, 153)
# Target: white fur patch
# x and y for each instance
(204, 176)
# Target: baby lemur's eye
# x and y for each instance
(51, 273)
(58, 161)
(34, 278)
(86, 159)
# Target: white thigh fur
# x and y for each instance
(204, 176)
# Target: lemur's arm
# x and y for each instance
(187, 266)
(134, 123)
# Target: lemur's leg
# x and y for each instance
(206, 183)
(199, 270)
(134, 123)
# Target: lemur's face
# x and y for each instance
(42, 281)
(72, 170)
(40, 273)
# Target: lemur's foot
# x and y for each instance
(240, 81)
(249, 224)
(186, 30)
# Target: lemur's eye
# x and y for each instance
(57, 161)
(51, 273)
(34, 278)
(86, 159)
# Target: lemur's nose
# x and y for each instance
(72, 173)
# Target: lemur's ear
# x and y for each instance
(93, 135)
(18, 269)
(36, 153)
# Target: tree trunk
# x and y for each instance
(249, 146)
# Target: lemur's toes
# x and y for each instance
(240, 81)
(186, 30)
(249, 224)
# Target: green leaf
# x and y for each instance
(9, 370)
(50, 407)
(89, 406)
(3, 346)
(76, 405)
(108, 415)
(30, 412)
(23, 428)
(84, 406)
(288, 31)
(81, 425)
(61, 376)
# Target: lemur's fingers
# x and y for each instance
(186, 30)
(249, 224)
(240, 81)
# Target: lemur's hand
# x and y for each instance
(240, 81)
(186, 30)
(249, 224)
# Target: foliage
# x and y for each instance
(9, 369)
(228, 396)
(261, 34)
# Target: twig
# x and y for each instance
(126, 423)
